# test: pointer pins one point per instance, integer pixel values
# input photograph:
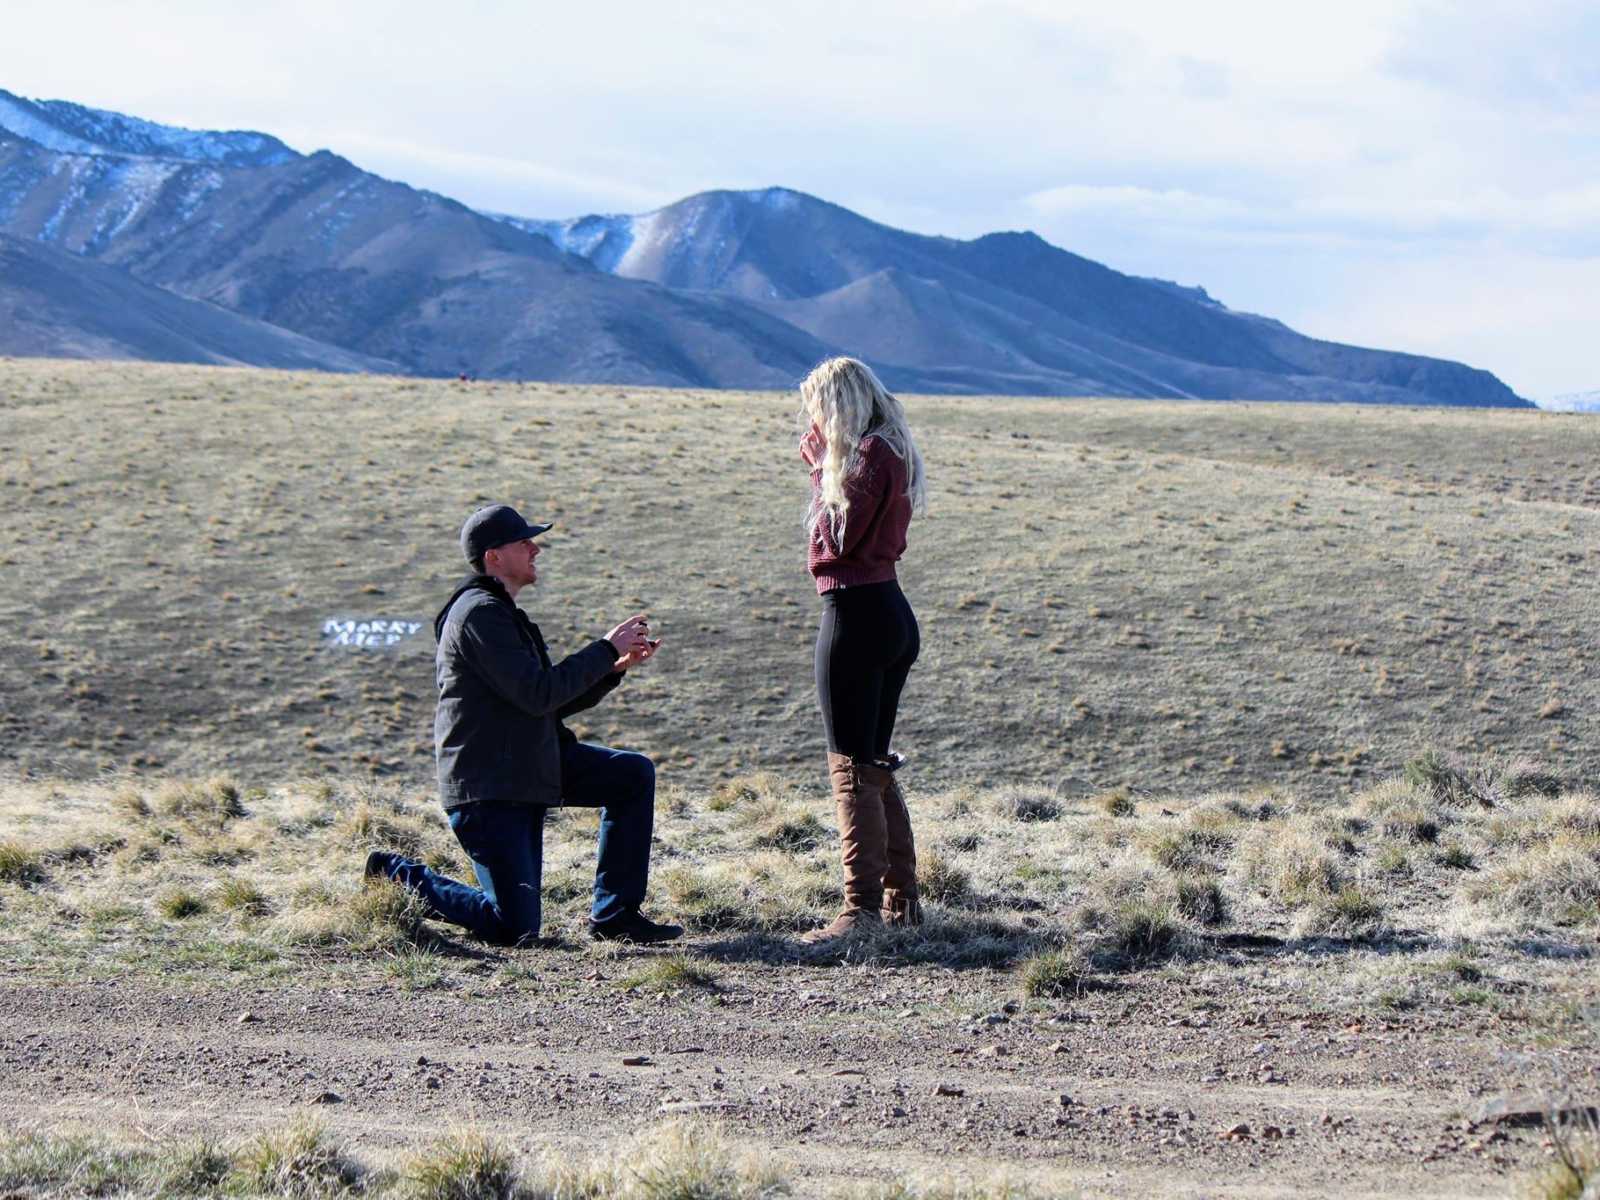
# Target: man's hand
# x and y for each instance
(812, 446)
(636, 658)
(633, 634)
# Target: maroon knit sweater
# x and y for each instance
(874, 535)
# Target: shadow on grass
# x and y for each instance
(958, 940)
(1393, 942)
(459, 947)
(1266, 945)
(1545, 948)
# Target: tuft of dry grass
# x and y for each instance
(1027, 804)
(414, 970)
(371, 824)
(762, 892)
(1200, 899)
(743, 790)
(198, 1167)
(1556, 880)
(240, 895)
(179, 903)
(1055, 975)
(957, 938)
(673, 973)
(464, 1166)
(379, 917)
(941, 880)
(1290, 863)
(296, 1163)
(1402, 810)
(131, 803)
(66, 1165)
(686, 1159)
(19, 865)
(299, 1160)
(708, 902)
(1577, 814)
(1456, 858)
(1182, 849)
(1349, 912)
(75, 1165)
(1116, 803)
(1136, 933)
(211, 802)
(793, 831)
(1392, 858)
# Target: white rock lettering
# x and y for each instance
(369, 633)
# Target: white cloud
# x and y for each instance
(1381, 214)
(1139, 205)
(502, 183)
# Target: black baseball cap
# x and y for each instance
(494, 525)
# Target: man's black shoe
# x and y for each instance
(633, 926)
(379, 865)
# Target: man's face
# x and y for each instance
(515, 560)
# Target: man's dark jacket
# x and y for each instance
(497, 731)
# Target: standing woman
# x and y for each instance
(866, 480)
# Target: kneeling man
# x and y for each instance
(505, 758)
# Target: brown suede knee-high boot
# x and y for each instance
(858, 797)
(900, 903)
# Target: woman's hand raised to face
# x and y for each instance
(812, 446)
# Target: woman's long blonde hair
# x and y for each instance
(845, 400)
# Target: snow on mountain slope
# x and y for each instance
(73, 129)
(22, 118)
(628, 244)
(603, 240)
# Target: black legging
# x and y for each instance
(865, 649)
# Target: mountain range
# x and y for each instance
(120, 237)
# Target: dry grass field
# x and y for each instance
(1252, 762)
(1152, 596)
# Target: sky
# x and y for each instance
(1413, 175)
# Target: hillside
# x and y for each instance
(59, 305)
(1146, 596)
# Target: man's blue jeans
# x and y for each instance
(506, 845)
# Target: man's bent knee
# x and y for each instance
(641, 773)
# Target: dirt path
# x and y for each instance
(1363, 1110)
